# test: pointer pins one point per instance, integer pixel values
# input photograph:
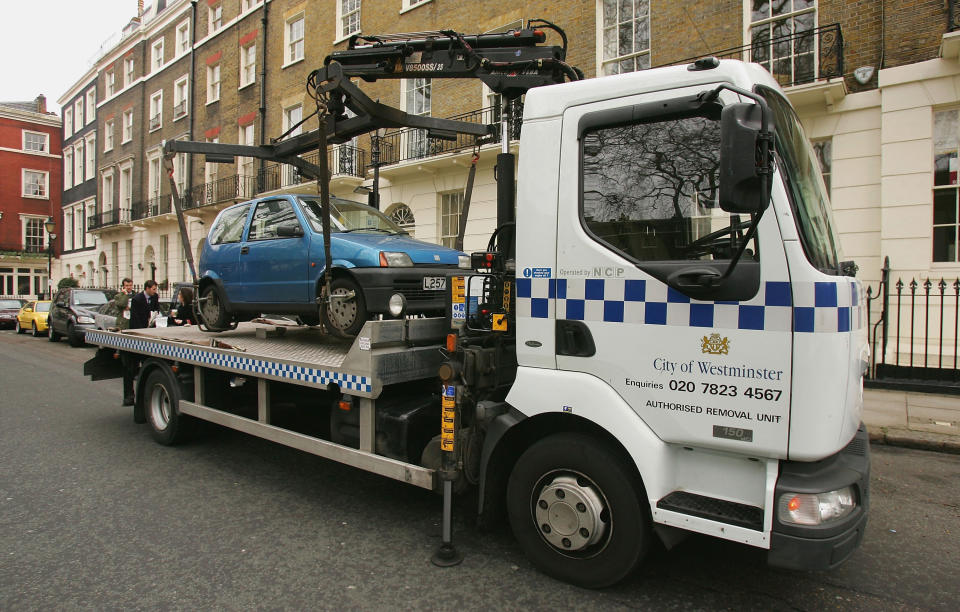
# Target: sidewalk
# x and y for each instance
(915, 420)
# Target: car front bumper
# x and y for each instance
(379, 284)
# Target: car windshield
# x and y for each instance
(43, 307)
(90, 298)
(346, 216)
(5, 304)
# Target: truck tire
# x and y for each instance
(345, 316)
(578, 511)
(161, 400)
(212, 310)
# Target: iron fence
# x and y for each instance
(914, 338)
(220, 190)
(793, 59)
(344, 160)
(107, 218)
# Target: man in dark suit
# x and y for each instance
(142, 304)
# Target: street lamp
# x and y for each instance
(50, 225)
(375, 160)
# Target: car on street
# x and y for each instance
(73, 310)
(9, 307)
(267, 255)
(33, 317)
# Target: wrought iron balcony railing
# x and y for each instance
(344, 160)
(157, 205)
(155, 122)
(106, 218)
(793, 59)
(224, 189)
(180, 109)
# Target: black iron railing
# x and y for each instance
(157, 205)
(915, 335)
(344, 160)
(412, 144)
(107, 218)
(180, 109)
(155, 122)
(225, 189)
(793, 59)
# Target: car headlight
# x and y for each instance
(397, 304)
(463, 261)
(391, 259)
(816, 508)
(84, 319)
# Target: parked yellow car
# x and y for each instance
(33, 316)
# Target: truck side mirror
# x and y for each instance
(741, 166)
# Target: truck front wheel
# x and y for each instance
(578, 511)
(161, 400)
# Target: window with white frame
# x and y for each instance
(451, 204)
(777, 39)
(165, 257)
(183, 38)
(108, 135)
(156, 110)
(34, 235)
(87, 236)
(35, 184)
(624, 37)
(213, 83)
(946, 184)
(348, 18)
(294, 39)
(156, 55)
(67, 167)
(214, 17)
(68, 229)
(416, 100)
(180, 97)
(245, 164)
(291, 117)
(127, 125)
(78, 115)
(180, 164)
(38, 142)
(128, 68)
(154, 174)
(246, 5)
(91, 105)
(409, 4)
(248, 64)
(67, 122)
(126, 187)
(106, 194)
(78, 163)
(90, 156)
(210, 170)
(110, 78)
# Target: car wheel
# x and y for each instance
(52, 335)
(161, 402)
(212, 310)
(578, 510)
(20, 329)
(73, 337)
(35, 331)
(347, 311)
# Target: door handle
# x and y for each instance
(244, 250)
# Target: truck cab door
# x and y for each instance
(638, 230)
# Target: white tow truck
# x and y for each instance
(667, 343)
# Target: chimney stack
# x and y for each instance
(41, 104)
(139, 10)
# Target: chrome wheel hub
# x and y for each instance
(160, 408)
(570, 513)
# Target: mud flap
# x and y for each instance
(105, 365)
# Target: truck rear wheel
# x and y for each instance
(161, 401)
(578, 511)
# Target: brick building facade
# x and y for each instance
(30, 191)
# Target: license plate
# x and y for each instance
(434, 283)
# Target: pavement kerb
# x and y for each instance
(908, 438)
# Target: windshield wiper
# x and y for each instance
(369, 229)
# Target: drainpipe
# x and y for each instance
(263, 92)
(191, 86)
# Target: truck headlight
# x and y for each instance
(389, 259)
(463, 261)
(816, 508)
(84, 319)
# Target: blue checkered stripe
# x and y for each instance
(238, 363)
(820, 306)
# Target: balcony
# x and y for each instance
(155, 206)
(108, 218)
(180, 110)
(227, 189)
(344, 160)
(155, 122)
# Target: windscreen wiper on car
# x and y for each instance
(370, 229)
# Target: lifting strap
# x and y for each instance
(467, 195)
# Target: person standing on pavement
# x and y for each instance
(122, 302)
(142, 304)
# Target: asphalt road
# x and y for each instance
(95, 515)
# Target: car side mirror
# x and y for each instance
(742, 166)
(28, 310)
(289, 230)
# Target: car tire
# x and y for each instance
(578, 510)
(161, 405)
(212, 310)
(19, 328)
(36, 332)
(74, 338)
(342, 315)
(52, 335)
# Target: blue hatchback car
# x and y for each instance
(266, 255)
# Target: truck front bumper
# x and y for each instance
(817, 547)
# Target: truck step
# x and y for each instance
(722, 511)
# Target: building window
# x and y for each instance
(625, 36)
(210, 169)
(35, 184)
(183, 38)
(246, 5)
(348, 18)
(91, 105)
(156, 110)
(126, 187)
(34, 235)
(108, 135)
(291, 117)
(78, 115)
(774, 40)
(128, 68)
(157, 55)
(78, 163)
(127, 125)
(245, 164)
(409, 4)
(946, 222)
(67, 123)
(106, 197)
(36, 141)
(416, 101)
(90, 156)
(180, 98)
(213, 83)
(248, 64)
(450, 206)
(67, 168)
(68, 230)
(153, 178)
(824, 151)
(111, 81)
(294, 35)
(215, 17)
(403, 216)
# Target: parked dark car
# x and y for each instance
(9, 307)
(73, 310)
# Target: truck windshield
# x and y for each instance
(798, 166)
(346, 216)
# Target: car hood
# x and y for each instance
(9, 311)
(89, 311)
(419, 251)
